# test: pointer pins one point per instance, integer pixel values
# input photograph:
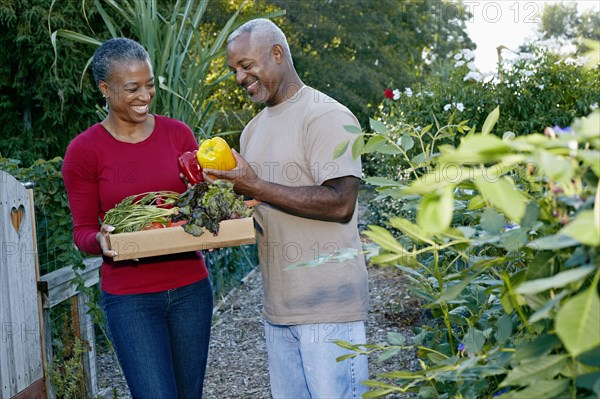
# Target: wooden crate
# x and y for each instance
(172, 240)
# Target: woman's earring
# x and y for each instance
(106, 103)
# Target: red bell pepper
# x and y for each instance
(190, 167)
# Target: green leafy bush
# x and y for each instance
(534, 90)
(503, 247)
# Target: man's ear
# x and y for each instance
(278, 52)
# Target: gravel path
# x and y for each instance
(237, 358)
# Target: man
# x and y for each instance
(305, 221)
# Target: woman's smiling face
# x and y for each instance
(130, 90)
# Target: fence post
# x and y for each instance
(83, 326)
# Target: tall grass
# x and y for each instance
(184, 53)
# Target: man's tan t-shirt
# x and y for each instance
(293, 144)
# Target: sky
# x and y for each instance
(508, 23)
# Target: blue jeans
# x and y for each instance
(161, 339)
(302, 361)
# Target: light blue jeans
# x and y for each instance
(302, 361)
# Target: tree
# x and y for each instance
(41, 111)
(563, 20)
(352, 50)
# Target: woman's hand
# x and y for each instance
(101, 238)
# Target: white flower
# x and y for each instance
(594, 106)
(396, 93)
(458, 56)
(528, 73)
(460, 107)
(447, 107)
(468, 54)
(459, 64)
(471, 66)
(476, 76)
(408, 92)
(428, 93)
(541, 87)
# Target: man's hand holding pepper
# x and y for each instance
(244, 178)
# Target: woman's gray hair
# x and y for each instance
(119, 50)
(263, 32)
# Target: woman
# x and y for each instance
(158, 309)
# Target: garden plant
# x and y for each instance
(497, 230)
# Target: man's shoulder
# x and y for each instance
(319, 103)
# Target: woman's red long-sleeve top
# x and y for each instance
(99, 171)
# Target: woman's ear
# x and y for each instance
(103, 86)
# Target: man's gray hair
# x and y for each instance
(263, 33)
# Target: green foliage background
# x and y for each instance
(506, 269)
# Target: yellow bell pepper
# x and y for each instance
(215, 154)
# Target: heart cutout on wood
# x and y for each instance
(16, 216)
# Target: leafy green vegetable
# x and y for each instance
(137, 212)
(205, 205)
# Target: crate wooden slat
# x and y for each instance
(172, 240)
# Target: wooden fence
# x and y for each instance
(26, 299)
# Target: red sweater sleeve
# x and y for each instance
(79, 175)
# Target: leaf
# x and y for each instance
(389, 149)
(554, 241)
(477, 148)
(503, 329)
(436, 211)
(477, 202)
(589, 381)
(492, 222)
(532, 212)
(395, 338)
(340, 149)
(385, 239)
(418, 159)
(578, 320)
(382, 182)
(353, 129)
(539, 347)
(417, 234)
(590, 158)
(385, 259)
(378, 127)
(407, 142)
(583, 229)
(374, 144)
(531, 372)
(542, 389)
(557, 281)
(544, 311)
(508, 136)
(503, 195)
(358, 146)
(490, 121)
(557, 168)
(587, 126)
(453, 291)
(400, 375)
(473, 340)
(388, 353)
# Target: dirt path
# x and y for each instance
(237, 358)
